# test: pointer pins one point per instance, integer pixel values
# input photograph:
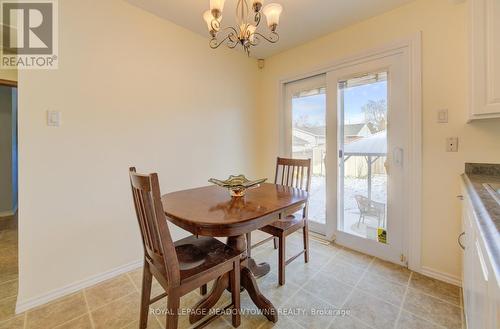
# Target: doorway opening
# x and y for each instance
(359, 121)
(8, 193)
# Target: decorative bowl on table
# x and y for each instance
(237, 185)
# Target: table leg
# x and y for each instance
(247, 281)
(258, 270)
(203, 307)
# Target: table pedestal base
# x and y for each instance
(249, 270)
(258, 270)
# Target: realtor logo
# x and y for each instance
(29, 38)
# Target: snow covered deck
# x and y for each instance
(352, 187)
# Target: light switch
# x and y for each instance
(53, 118)
(452, 144)
(442, 116)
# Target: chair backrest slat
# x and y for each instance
(293, 172)
(159, 248)
(301, 178)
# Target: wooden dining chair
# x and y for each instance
(179, 267)
(295, 173)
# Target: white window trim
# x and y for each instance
(413, 229)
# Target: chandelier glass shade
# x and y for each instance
(248, 20)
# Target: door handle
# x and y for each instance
(398, 156)
(459, 240)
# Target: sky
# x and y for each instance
(313, 107)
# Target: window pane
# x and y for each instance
(309, 141)
(363, 178)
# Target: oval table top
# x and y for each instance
(210, 210)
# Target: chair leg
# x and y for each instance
(173, 303)
(275, 242)
(147, 279)
(281, 260)
(249, 244)
(359, 220)
(305, 232)
(235, 293)
(203, 290)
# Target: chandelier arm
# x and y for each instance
(232, 43)
(231, 38)
(257, 18)
(214, 43)
(215, 24)
(229, 29)
(273, 39)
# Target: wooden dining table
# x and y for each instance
(211, 211)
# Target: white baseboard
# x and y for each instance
(8, 213)
(24, 305)
(441, 276)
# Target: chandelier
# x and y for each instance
(245, 33)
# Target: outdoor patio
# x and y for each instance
(352, 186)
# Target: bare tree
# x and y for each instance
(376, 114)
(302, 121)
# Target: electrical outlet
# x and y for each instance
(452, 144)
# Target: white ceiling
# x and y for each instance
(301, 20)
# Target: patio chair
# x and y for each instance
(370, 208)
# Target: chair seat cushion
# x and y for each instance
(290, 223)
(197, 255)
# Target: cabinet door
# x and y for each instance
(467, 280)
(479, 302)
(477, 273)
(485, 58)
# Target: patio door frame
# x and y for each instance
(395, 250)
(413, 216)
(309, 83)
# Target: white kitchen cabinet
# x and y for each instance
(481, 289)
(484, 54)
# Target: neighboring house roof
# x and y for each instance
(299, 141)
(319, 131)
(353, 129)
(374, 145)
(356, 129)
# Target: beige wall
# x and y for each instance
(8, 75)
(444, 49)
(133, 90)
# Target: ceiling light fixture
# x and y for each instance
(245, 34)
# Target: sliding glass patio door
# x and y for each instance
(305, 135)
(369, 109)
(353, 122)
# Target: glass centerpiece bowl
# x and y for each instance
(237, 185)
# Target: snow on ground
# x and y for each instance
(352, 187)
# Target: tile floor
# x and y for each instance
(374, 294)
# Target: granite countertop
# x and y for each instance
(486, 208)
